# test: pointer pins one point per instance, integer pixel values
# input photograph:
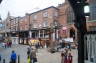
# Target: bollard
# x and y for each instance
(18, 58)
(3, 60)
(0, 58)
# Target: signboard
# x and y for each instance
(68, 39)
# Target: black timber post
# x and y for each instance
(0, 1)
(80, 24)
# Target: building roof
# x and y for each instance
(44, 9)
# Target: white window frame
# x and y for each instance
(45, 24)
(45, 14)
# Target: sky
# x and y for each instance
(20, 7)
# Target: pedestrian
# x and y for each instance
(69, 46)
(65, 57)
(13, 57)
(10, 43)
(69, 58)
(33, 56)
(62, 57)
(66, 50)
(29, 61)
(28, 50)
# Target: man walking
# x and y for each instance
(13, 57)
(33, 56)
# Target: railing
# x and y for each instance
(90, 47)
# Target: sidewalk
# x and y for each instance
(43, 56)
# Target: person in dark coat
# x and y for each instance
(33, 56)
(65, 57)
(13, 57)
(29, 50)
(69, 60)
(62, 57)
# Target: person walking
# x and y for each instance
(65, 57)
(69, 58)
(28, 51)
(33, 56)
(29, 61)
(62, 57)
(13, 57)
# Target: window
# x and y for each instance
(35, 25)
(40, 25)
(93, 12)
(92, 28)
(35, 17)
(56, 14)
(45, 23)
(45, 14)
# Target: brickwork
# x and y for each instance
(43, 18)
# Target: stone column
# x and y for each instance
(53, 36)
(43, 33)
(39, 34)
(30, 34)
(75, 34)
(57, 35)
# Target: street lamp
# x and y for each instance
(87, 10)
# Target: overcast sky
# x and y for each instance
(20, 7)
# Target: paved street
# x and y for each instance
(43, 55)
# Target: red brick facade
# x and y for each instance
(63, 14)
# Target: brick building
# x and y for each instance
(52, 22)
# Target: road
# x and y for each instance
(43, 55)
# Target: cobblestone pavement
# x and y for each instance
(43, 55)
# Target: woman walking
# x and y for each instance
(69, 58)
(62, 57)
(65, 57)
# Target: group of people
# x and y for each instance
(31, 55)
(8, 44)
(66, 57)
